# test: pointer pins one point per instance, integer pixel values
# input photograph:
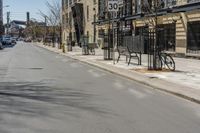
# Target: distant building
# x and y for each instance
(1, 18)
(15, 28)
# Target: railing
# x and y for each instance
(169, 3)
(193, 1)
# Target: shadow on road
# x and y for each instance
(38, 99)
(8, 46)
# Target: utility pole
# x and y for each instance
(1, 18)
(28, 18)
(94, 19)
(45, 34)
(60, 39)
(8, 21)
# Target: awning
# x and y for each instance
(141, 15)
(186, 7)
(106, 21)
(101, 22)
(133, 17)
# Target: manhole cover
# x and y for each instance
(36, 68)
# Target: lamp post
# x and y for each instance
(8, 21)
(1, 18)
(45, 33)
(94, 39)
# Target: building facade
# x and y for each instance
(77, 21)
(178, 19)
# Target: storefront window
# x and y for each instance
(167, 36)
(193, 37)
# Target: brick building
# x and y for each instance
(180, 20)
(77, 19)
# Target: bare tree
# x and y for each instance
(53, 18)
(150, 8)
(34, 30)
(54, 12)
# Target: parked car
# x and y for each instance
(1, 46)
(7, 41)
(13, 40)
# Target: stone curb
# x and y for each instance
(162, 85)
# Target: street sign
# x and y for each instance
(113, 5)
(120, 3)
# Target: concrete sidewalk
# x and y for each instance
(183, 82)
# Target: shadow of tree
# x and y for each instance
(38, 99)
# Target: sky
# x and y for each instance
(18, 8)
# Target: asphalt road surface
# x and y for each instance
(44, 92)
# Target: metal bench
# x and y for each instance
(91, 48)
(132, 48)
(134, 54)
(122, 51)
(126, 51)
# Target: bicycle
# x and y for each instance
(167, 61)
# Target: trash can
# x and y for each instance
(69, 47)
(84, 45)
(69, 44)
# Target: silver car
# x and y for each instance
(8, 41)
(1, 46)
